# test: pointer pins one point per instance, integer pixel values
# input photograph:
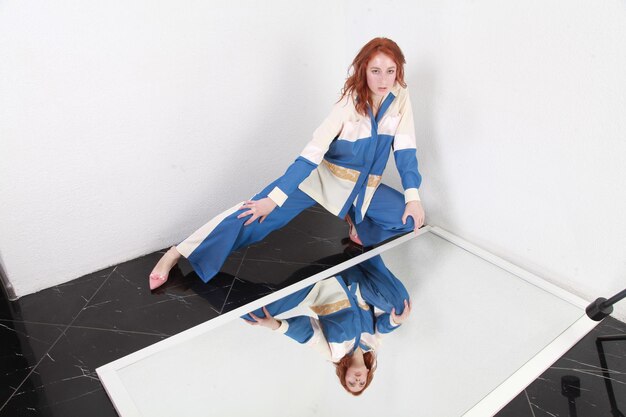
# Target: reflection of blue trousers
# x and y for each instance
(208, 247)
(378, 286)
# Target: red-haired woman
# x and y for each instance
(343, 317)
(340, 168)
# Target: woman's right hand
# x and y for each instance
(259, 209)
(267, 321)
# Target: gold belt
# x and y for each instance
(351, 174)
(326, 309)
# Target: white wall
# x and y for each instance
(521, 131)
(126, 125)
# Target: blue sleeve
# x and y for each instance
(406, 162)
(297, 172)
(383, 323)
(300, 329)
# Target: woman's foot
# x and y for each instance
(352, 233)
(159, 274)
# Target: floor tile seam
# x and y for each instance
(530, 405)
(55, 342)
(64, 324)
(120, 331)
(34, 322)
(92, 297)
(27, 335)
(33, 369)
(84, 394)
(243, 258)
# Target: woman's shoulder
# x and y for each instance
(402, 99)
(347, 102)
(399, 91)
(345, 107)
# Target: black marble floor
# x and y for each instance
(588, 381)
(53, 341)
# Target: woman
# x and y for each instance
(340, 168)
(343, 317)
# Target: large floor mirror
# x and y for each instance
(479, 331)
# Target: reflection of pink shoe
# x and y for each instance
(352, 233)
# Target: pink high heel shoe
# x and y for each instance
(352, 233)
(156, 280)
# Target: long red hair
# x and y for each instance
(356, 83)
(342, 366)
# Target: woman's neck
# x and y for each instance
(376, 102)
(357, 358)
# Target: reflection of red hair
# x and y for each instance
(356, 84)
(342, 366)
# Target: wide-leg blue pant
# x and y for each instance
(208, 247)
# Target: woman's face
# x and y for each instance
(356, 377)
(381, 74)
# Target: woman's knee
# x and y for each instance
(409, 224)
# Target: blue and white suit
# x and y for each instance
(341, 169)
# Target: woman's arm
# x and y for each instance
(405, 155)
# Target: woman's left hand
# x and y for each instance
(416, 211)
(267, 321)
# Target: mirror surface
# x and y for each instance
(472, 325)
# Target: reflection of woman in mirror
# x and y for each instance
(343, 317)
(340, 168)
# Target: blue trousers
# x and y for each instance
(208, 247)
